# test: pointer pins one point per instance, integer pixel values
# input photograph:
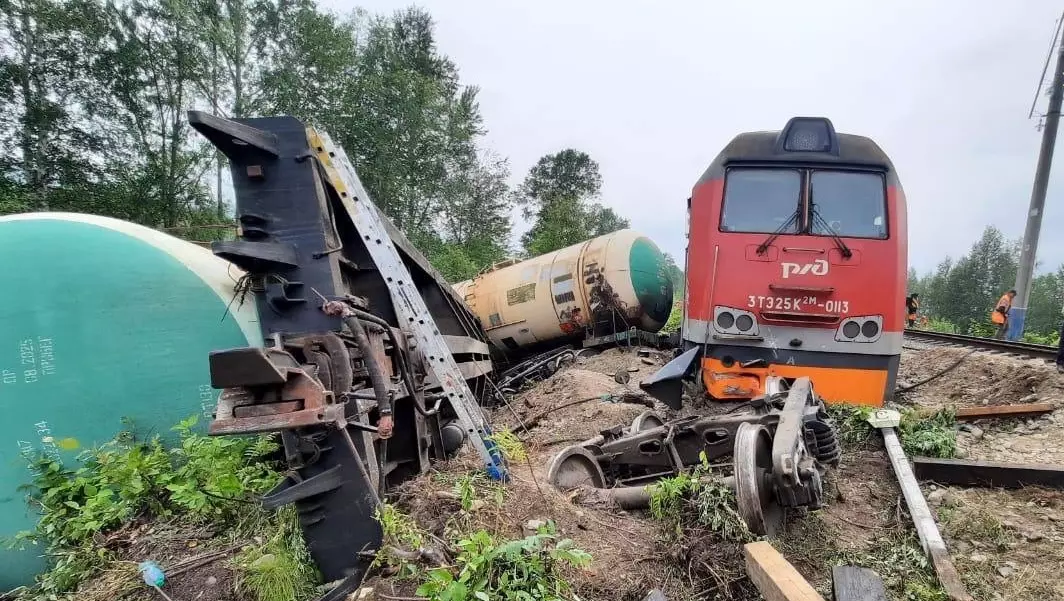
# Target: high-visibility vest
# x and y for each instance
(1004, 302)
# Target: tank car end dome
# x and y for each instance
(100, 320)
(649, 273)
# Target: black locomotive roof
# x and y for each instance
(763, 147)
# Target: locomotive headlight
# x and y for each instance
(808, 134)
(736, 322)
(725, 320)
(851, 329)
(867, 328)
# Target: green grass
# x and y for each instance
(852, 422)
(929, 435)
(280, 569)
(675, 319)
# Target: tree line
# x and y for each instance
(94, 94)
(958, 295)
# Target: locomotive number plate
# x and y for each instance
(786, 303)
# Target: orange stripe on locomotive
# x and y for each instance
(797, 265)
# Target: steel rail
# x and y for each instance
(1043, 351)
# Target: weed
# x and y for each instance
(901, 563)
(675, 317)
(1052, 339)
(942, 325)
(399, 528)
(469, 487)
(667, 500)
(280, 568)
(527, 569)
(123, 479)
(485, 567)
(983, 329)
(510, 445)
(716, 507)
(929, 435)
(697, 500)
(852, 422)
(975, 524)
(895, 555)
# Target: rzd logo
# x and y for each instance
(818, 267)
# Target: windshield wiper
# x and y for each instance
(763, 247)
(845, 250)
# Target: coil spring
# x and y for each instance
(825, 441)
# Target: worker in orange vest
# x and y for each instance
(1000, 315)
(912, 305)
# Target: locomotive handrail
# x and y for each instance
(812, 289)
(792, 317)
(794, 249)
(503, 325)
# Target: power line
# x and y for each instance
(1045, 66)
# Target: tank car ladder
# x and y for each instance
(410, 308)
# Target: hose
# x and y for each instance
(376, 373)
(404, 369)
(951, 367)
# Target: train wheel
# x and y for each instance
(752, 462)
(647, 420)
(574, 467)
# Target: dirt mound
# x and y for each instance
(574, 405)
(625, 549)
(981, 378)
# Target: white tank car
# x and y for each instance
(101, 321)
(606, 284)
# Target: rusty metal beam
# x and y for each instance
(991, 411)
(963, 472)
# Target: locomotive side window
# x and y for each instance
(848, 204)
(761, 201)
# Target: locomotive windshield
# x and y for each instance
(762, 201)
(846, 204)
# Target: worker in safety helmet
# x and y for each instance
(1000, 315)
(912, 305)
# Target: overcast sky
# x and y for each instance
(653, 90)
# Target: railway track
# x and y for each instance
(1026, 349)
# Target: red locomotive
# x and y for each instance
(796, 266)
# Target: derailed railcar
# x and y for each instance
(796, 266)
(604, 287)
(372, 366)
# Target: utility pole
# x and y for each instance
(1038, 199)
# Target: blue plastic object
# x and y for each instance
(152, 574)
(497, 471)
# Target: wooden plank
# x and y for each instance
(852, 583)
(991, 411)
(966, 472)
(926, 528)
(774, 576)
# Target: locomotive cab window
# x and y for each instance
(848, 204)
(761, 201)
